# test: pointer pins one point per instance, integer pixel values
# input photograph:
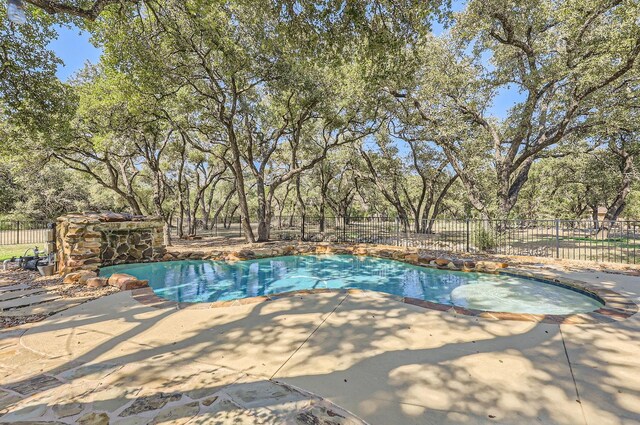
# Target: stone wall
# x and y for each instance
(90, 240)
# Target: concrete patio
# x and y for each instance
(305, 358)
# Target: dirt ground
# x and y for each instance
(51, 285)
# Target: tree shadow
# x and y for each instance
(371, 355)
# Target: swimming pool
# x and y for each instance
(208, 281)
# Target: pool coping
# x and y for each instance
(616, 307)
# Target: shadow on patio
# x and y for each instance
(384, 361)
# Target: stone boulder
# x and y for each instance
(81, 277)
(442, 262)
(468, 266)
(324, 249)
(85, 276)
(398, 255)
(196, 255)
(71, 278)
(168, 257)
(411, 258)
(126, 282)
(425, 258)
(97, 282)
(235, 256)
(303, 250)
(263, 252)
(246, 253)
(490, 265)
(361, 251)
(384, 253)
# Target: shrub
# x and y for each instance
(485, 240)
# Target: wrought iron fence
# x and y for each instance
(23, 232)
(229, 227)
(566, 239)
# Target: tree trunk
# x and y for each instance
(594, 217)
(303, 207)
(321, 213)
(187, 208)
(438, 203)
(264, 227)
(264, 211)
(133, 203)
(238, 172)
(205, 213)
(620, 201)
(417, 221)
(221, 207)
(157, 204)
(166, 234)
(180, 223)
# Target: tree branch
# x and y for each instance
(89, 13)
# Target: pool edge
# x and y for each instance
(616, 307)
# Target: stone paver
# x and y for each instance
(251, 401)
(26, 301)
(314, 359)
(34, 385)
(22, 290)
(10, 286)
(67, 409)
(9, 295)
(153, 402)
(179, 414)
(53, 305)
(94, 418)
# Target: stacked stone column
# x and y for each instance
(91, 240)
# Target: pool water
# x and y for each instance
(207, 281)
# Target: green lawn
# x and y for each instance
(617, 242)
(8, 251)
(610, 240)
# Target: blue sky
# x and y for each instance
(74, 48)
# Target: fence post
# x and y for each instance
(397, 231)
(51, 239)
(557, 238)
(344, 228)
(468, 235)
(17, 232)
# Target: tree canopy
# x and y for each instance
(201, 110)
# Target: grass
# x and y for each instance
(8, 251)
(578, 238)
(616, 242)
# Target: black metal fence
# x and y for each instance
(23, 232)
(223, 228)
(566, 239)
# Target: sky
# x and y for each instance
(74, 48)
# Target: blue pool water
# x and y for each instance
(207, 281)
